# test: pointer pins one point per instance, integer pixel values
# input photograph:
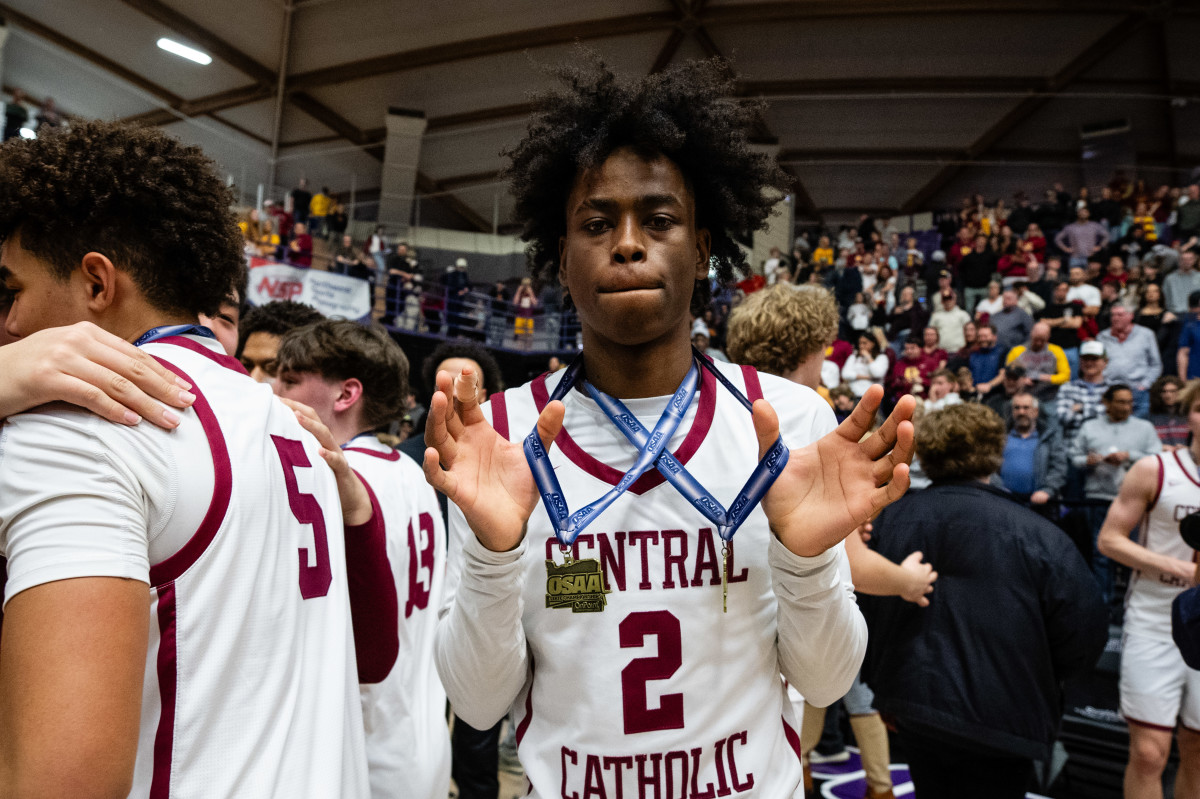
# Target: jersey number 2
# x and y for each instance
(420, 564)
(633, 631)
(314, 579)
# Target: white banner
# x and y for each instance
(330, 293)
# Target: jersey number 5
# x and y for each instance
(420, 564)
(633, 631)
(314, 579)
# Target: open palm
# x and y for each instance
(481, 472)
(840, 481)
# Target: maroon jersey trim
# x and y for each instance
(1158, 490)
(1182, 467)
(500, 414)
(164, 737)
(387, 456)
(792, 738)
(197, 347)
(170, 569)
(649, 480)
(754, 390)
(523, 727)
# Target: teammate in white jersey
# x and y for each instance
(177, 612)
(629, 193)
(356, 379)
(1158, 691)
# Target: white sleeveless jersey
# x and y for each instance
(660, 694)
(233, 519)
(1148, 601)
(408, 741)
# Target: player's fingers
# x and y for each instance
(922, 602)
(95, 386)
(466, 396)
(766, 425)
(932, 579)
(859, 422)
(901, 452)
(129, 362)
(437, 477)
(550, 422)
(313, 424)
(86, 395)
(885, 437)
(447, 385)
(437, 435)
(885, 495)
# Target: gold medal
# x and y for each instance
(577, 584)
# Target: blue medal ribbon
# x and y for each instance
(652, 450)
(166, 331)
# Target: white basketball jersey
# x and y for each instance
(250, 684)
(408, 741)
(1148, 602)
(661, 693)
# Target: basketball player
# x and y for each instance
(625, 675)
(1158, 691)
(784, 330)
(356, 378)
(177, 613)
(262, 328)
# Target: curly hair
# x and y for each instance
(685, 114)
(493, 381)
(962, 442)
(154, 206)
(339, 349)
(277, 318)
(776, 328)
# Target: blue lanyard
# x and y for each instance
(155, 333)
(567, 527)
(652, 450)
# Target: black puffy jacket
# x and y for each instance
(1014, 612)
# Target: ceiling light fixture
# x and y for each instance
(183, 51)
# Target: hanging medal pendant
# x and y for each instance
(576, 584)
(724, 577)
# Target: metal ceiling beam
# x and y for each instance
(199, 35)
(484, 46)
(1102, 47)
(669, 49)
(756, 13)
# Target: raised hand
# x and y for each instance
(482, 473)
(356, 502)
(840, 481)
(87, 366)
(922, 577)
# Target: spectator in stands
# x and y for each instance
(948, 320)
(282, 219)
(986, 360)
(1187, 220)
(1133, 357)
(376, 247)
(49, 116)
(970, 344)
(963, 246)
(976, 269)
(990, 304)
(910, 374)
(1012, 324)
(866, 366)
(1180, 284)
(525, 303)
(931, 348)
(1187, 358)
(1021, 215)
(1152, 315)
(1049, 276)
(1082, 239)
(1065, 319)
(318, 212)
(701, 338)
(262, 328)
(849, 282)
(981, 738)
(1029, 301)
(1082, 291)
(1104, 449)
(822, 256)
(1166, 413)
(338, 221)
(1012, 381)
(1079, 400)
(1045, 364)
(301, 200)
(907, 315)
(345, 255)
(458, 285)
(943, 391)
(1035, 460)
(300, 249)
(16, 115)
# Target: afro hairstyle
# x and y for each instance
(153, 206)
(686, 113)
